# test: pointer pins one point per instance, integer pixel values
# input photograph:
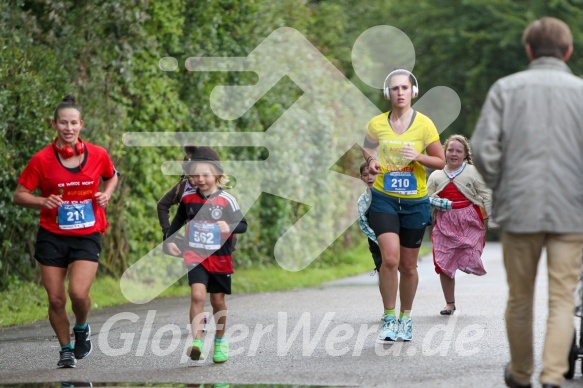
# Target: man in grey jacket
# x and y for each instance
(528, 146)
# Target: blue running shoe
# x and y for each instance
(388, 329)
(405, 332)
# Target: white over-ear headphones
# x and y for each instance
(414, 88)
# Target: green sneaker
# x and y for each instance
(221, 352)
(194, 351)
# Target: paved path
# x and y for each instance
(317, 336)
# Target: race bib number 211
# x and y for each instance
(76, 215)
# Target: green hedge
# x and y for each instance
(50, 48)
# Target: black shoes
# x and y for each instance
(447, 311)
(83, 346)
(67, 359)
(509, 380)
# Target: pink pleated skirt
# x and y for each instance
(458, 241)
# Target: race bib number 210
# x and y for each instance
(400, 182)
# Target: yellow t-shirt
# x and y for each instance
(399, 177)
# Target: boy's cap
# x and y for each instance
(202, 154)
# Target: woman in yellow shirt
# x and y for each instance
(399, 144)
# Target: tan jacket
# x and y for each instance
(470, 183)
(528, 146)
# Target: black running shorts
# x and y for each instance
(215, 283)
(55, 250)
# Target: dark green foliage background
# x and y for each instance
(106, 53)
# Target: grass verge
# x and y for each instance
(27, 302)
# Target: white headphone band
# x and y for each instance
(404, 72)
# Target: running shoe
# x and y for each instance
(194, 351)
(83, 346)
(66, 359)
(221, 352)
(388, 329)
(405, 332)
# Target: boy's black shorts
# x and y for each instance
(214, 282)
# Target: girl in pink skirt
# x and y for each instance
(458, 231)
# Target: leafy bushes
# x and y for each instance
(50, 48)
(106, 53)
